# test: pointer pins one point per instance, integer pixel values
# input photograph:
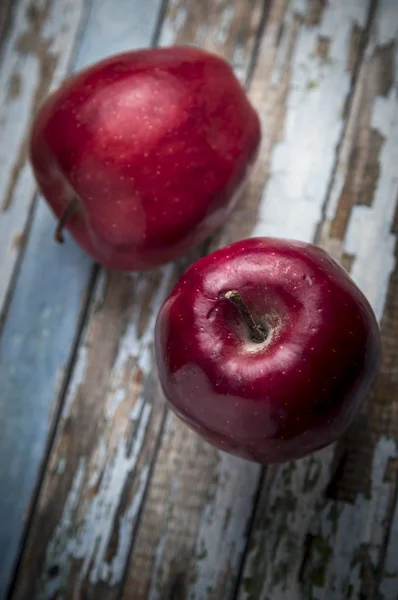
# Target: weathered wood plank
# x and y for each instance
(35, 58)
(320, 532)
(361, 225)
(221, 26)
(182, 511)
(97, 474)
(35, 55)
(50, 292)
(300, 92)
(84, 525)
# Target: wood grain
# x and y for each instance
(300, 96)
(362, 225)
(327, 540)
(133, 505)
(35, 57)
(90, 499)
(82, 531)
(50, 294)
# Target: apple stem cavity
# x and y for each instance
(257, 333)
(70, 208)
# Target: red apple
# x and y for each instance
(141, 156)
(267, 349)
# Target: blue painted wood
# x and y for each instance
(41, 325)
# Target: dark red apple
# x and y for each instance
(267, 349)
(142, 156)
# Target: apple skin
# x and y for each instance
(154, 145)
(288, 396)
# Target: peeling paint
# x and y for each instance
(99, 520)
(283, 517)
(126, 526)
(301, 163)
(222, 533)
(55, 571)
(207, 497)
(131, 344)
(368, 233)
(111, 451)
(90, 539)
(345, 539)
(350, 534)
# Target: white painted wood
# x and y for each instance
(368, 236)
(303, 160)
(301, 165)
(370, 241)
(292, 204)
(292, 207)
(112, 461)
(35, 348)
(88, 544)
(273, 563)
(342, 530)
(223, 529)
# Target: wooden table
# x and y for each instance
(104, 494)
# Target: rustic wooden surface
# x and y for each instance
(104, 494)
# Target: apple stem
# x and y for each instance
(70, 208)
(257, 333)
